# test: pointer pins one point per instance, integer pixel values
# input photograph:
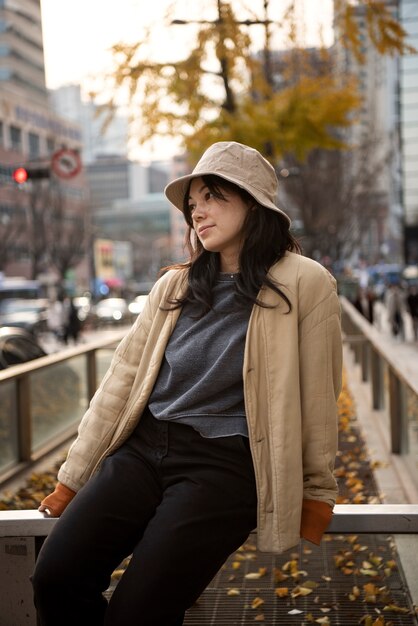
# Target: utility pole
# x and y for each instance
(220, 21)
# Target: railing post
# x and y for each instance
(397, 414)
(91, 374)
(378, 395)
(365, 360)
(24, 418)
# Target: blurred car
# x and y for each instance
(112, 311)
(84, 308)
(18, 346)
(31, 315)
(410, 274)
(137, 304)
(382, 275)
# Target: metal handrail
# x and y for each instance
(21, 374)
(380, 344)
(372, 350)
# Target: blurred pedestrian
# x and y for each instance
(395, 306)
(217, 415)
(364, 302)
(72, 326)
(360, 302)
(412, 302)
(57, 317)
(371, 300)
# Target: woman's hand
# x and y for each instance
(57, 501)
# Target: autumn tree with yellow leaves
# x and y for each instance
(222, 91)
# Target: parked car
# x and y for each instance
(31, 315)
(137, 304)
(17, 345)
(112, 311)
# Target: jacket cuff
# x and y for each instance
(57, 501)
(316, 515)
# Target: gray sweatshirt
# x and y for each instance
(200, 380)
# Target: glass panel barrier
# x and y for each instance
(9, 453)
(58, 398)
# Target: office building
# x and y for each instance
(408, 109)
(375, 137)
(98, 141)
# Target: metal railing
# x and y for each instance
(394, 386)
(42, 401)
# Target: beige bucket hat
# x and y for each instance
(237, 163)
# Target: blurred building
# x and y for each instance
(178, 167)
(128, 204)
(377, 132)
(21, 53)
(408, 106)
(67, 102)
(30, 135)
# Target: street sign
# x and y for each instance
(66, 163)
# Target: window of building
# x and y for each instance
(16, 138)
(34, 144)
(50, 145)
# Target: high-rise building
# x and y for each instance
(67, 102)
(22, 69)
(408, 108)
(376, 132)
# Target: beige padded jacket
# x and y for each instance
(292, 378)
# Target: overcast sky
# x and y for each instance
(78, 34)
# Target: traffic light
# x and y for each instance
(22, 174)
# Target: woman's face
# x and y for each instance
(218, 223)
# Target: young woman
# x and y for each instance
(217, 415)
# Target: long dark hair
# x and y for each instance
(266, 238)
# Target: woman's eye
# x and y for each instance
(191, 208)
(208, 195)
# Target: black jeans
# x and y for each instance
(178, 502)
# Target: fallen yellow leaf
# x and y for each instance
(282, 592)
(369, 572)
(257, 602)
(300, 591)
(394, 608)
(233, 592)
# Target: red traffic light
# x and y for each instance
(20, 175)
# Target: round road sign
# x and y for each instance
(66, 163)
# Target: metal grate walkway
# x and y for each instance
(339, 598)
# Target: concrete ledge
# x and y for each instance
(25, 523)
(347, 518)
